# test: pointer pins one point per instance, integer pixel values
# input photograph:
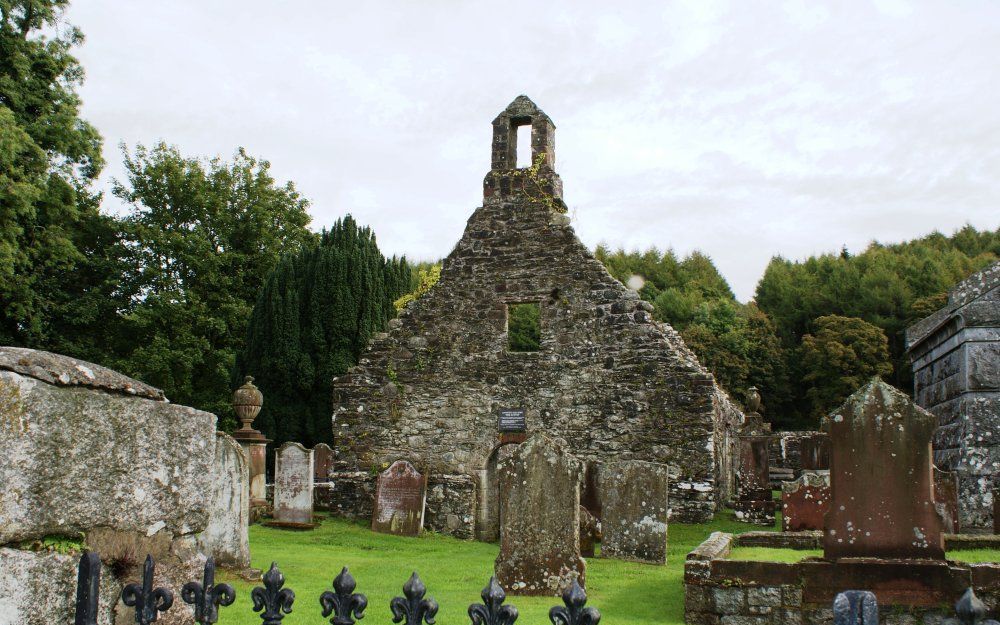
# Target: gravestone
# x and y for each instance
(805, 502)
(881, 480)
(539, 519)
(946, 499)
(634, 523)
(226, 537)
(400, 499)
(293, 486)
(589, 532)
(814, 452)
(996, 510)
(322, 462)
(754, 502)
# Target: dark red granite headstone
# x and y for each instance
(946, 498)
(804, 502)
(322, 462)
(400, 498)
(814, 452)
(881, 481)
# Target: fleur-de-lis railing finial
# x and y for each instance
(492, 611)
(88, 586)
(574, 613)
(207, 596)
(147, 600)
(414, 609)
(274, 600)
(969, 610)
(345, 604)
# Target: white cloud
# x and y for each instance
(742, 129)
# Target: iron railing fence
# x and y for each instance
(343, 606)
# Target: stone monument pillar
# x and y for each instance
(754, 502)
(247, 400)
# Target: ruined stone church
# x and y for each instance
(445, 389)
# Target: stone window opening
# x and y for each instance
(524, 332)
(522, 142)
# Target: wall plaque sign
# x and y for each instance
(512, 420)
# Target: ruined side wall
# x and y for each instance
(608, 379)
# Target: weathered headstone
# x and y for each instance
(881, 483)
(996, 510)
(805, 502)
(400, 499)
(946, 499)
(754, 502)
(814, 452)
(293, 486)
(540, 519)
(226, 537)
(322, 462)
(634, 524)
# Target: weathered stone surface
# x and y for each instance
(451, 505)
(955, 355)
(400, 498)
(881, 484)
(226, 537)
(607, 376)
(322, 462)
(75, 458)
(65, 371)
(540, 519)
(805, 502)
(855, 607)
(754, 503)
(293, 487)
(40, 589)
(634, 523)
(946, 500)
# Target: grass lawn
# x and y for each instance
(455, 571)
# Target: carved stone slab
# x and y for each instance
(805, 502)
(946, 499)
(226, 537)
(400, 498)
(322, 462)
(881, 482)
(293, 486)
(539, 519)
(754, 503)
(634, 525)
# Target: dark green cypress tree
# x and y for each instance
(314, 316)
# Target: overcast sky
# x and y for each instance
(741, 129)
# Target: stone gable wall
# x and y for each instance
(608, 379)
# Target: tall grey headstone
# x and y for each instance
(293, 484)
(226, 537)
(540, 519)
(634, 526)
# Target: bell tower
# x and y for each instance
(505, 178)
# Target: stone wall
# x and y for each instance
(955, 355)
(94, 456)
(608, 379)
(785, 447)
(451, 500)
(720, 591)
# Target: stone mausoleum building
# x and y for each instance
(955, 355)
(606, 378)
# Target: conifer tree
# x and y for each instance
(314, 316)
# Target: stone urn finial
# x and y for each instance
(247, 400)
(754, 404)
